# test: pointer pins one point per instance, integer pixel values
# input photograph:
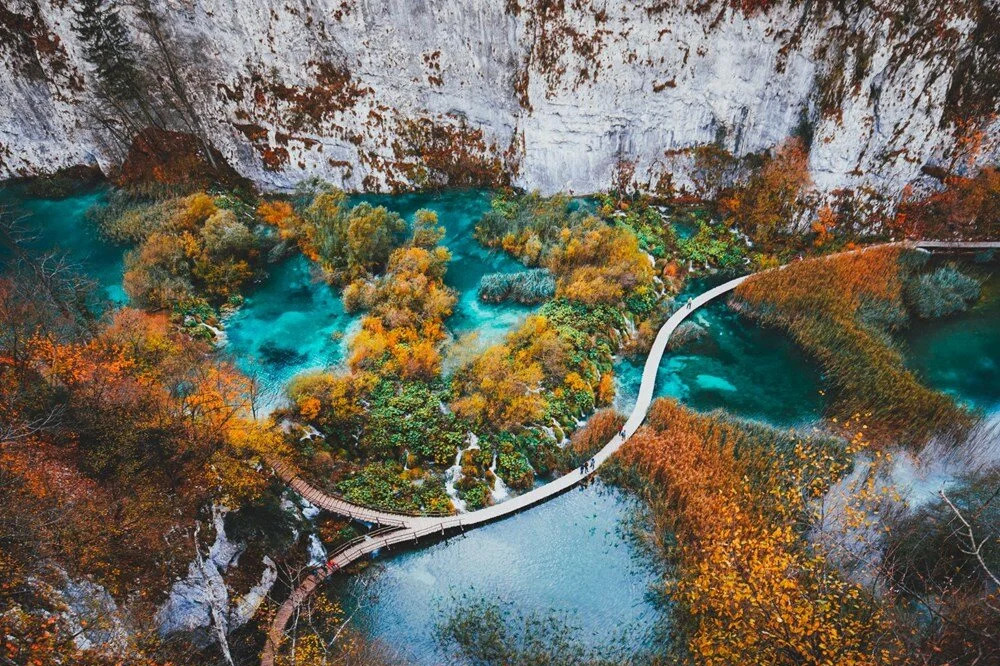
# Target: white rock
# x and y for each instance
(657, 81)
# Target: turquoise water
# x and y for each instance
(960, 355)
(61, 225)
(750, 371)
(289, 324)
(458, 212)
(760, 374)
(293, 322)
(570, 556)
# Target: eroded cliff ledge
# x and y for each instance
(558, 95)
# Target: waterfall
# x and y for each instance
(219, 334)
(309, 510)
(454, 474)
(309, 433)
(500, 490)
(317, 553)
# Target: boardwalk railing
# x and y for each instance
(338, 504)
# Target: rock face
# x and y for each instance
(94, 617)
(547, 94)
(200, 606)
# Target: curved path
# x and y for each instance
(406, 529)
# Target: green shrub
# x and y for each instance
(513, 467)
(407, 415)
(525, 287)
(879, 314)
(384, 485)
(477, 495)
(713, 245)
(942, 292)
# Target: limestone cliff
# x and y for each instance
(546, 94)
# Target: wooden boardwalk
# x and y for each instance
(403, 529)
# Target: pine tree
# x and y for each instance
(109, 50)
(107, 46)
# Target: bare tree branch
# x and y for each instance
(975, 547)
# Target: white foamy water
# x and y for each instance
(454, 474)
(500, 490)
(317, 553)
(853, 532)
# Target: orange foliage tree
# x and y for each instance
(347, 242)
(506, 391)
(188, 248)
(964, 209)
(768, 202)
(596, 263)
(751, 590)
(407, 308)
(146, 430)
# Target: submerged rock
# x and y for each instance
(685, 333)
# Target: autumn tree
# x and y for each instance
(964, 208)
(389, 404)
(348, 243)
(196, 247)
(502, 392)
(149, 429)
(596, 264)
(406, 309)
(768, 203)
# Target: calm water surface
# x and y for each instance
(61, 225)
(571, 556)
(750, 371)
(960, 354)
